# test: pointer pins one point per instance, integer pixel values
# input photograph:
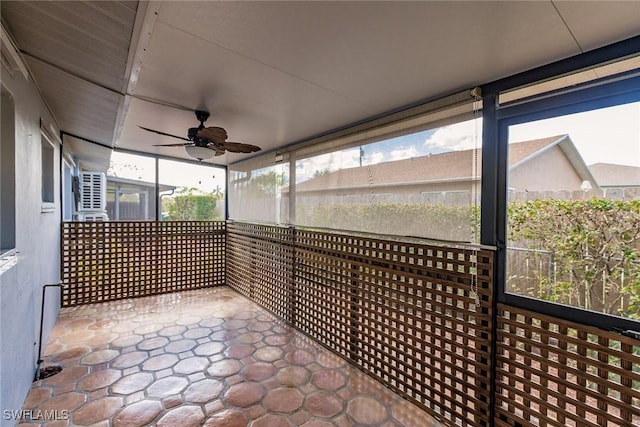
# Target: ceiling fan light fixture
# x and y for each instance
(199, 153)
(205, 142)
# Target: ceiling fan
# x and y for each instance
(206, 142)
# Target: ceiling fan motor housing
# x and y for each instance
(192, 133)
(202, 116)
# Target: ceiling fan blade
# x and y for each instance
(219, 149)
(238, 147)
(213, 133)
(164, 134)
(173, 145)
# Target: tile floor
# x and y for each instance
(207, 357)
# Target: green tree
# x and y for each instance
(187, 205)
(321, 172)
(594, 246)
(267, 184)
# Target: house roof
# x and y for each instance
(612, 175)
(136, 184)
(443, 167)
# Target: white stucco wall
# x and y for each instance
(549, 171)
(37, 263)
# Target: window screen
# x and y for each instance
(417, 175)
(412, 173)
(574, 210)
(257, 190)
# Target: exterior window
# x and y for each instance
(190, 192)
(7, 174)
(131, 188)
(48, 168)
(573, 204)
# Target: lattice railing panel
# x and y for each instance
(240, 268)
(324, 291)
(260, 265)
(105, 261)
(557, 373)
(403, 313)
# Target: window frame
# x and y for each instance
(66, 191)
(156, 158)
(8, 178)
(48, 174)
(593, 95)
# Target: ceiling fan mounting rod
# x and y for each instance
(202, 116)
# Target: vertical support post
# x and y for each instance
(157, 200)
(116, 204)
(291, 234)
(292, 188)
(354, 302)
(493, 222)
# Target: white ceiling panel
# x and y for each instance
(597, 23)
(91, 157)
(381, 54)
(274, 73)
(255, 103)
(81, 108)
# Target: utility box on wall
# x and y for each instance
(92, 203)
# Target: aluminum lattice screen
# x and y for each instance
(553, 372)
(260, 265)
(402, 312)
(104, 261)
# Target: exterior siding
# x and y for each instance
(37, 241)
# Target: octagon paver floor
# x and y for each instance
(204, 357)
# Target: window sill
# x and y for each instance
(8, 259)
(48, 207)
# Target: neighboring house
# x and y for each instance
(617, 181)
(129, 199)
(536, 167)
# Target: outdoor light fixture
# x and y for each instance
(199, 153)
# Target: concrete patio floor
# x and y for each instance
(205, 357)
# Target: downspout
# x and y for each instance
(159, 216)
(61, 171)
(39, 371)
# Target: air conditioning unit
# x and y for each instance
(92, 216)
(93, 192)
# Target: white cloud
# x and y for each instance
(330, 161)
(404, 153)
(456, 137)
(375, 157)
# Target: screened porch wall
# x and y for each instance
(412, 173)
(402, 310)
(113, 260)
(405, 313)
